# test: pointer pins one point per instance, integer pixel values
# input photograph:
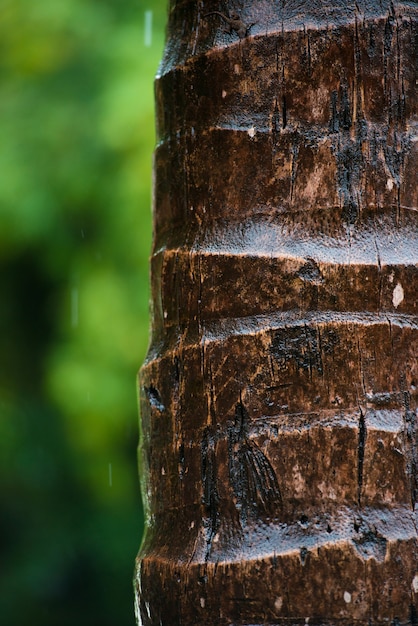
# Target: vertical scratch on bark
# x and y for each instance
(212, 411)
(390, 334)
(210, 489)
(387, 44)
(196, 28)
(284, 112)
(275, 127)
(362, 435)
(379, 265)
(294, 160)
(361, 368)
(410, 428)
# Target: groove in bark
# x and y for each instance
(279, 396)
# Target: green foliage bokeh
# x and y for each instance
(77, 133)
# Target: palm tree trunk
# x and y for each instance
(278, 399)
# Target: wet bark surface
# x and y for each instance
(279, 396)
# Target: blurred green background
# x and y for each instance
(76, 140)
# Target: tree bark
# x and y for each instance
(279, 443)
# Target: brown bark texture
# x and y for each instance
(279, 426)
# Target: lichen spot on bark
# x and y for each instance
(398, 295)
